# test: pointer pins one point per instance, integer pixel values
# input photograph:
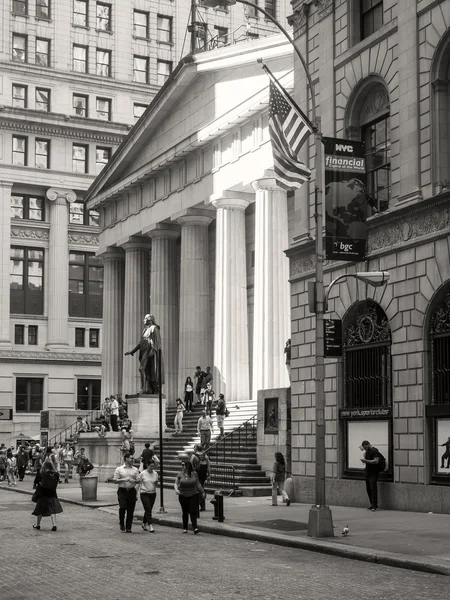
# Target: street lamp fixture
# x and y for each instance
(215, 3)
(373, 278)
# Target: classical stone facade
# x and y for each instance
(190, 210)
(384, 76)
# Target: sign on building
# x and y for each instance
(332, 333)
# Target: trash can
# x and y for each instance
(89, 487)
(217, 502)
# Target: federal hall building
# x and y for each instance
(194, 229)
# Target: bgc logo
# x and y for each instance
(343, 148)
(343, 247)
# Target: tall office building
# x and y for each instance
(75, 75)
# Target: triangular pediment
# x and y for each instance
(206, 95)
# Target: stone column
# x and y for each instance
(408, 110)
(271, 320)
(194, 329)
(136, 306)
(231, 363)
(164, 300)
(112, 329)
(58, 268)
(5, 251)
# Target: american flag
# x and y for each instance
(289, 129)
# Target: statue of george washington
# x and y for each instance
(149, 347)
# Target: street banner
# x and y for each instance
(332, 333)
(345, 200)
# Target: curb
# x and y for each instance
(389, 559)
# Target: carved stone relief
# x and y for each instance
(82, 238)
(370, 326)
(30, 234)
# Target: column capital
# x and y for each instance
(230, 199)
(61, 196)
(134, 242)
(159, 231)
(6, 184)
(194, 216)
(110, 253)
(267, 182)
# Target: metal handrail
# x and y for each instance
(231, 39)
(72, 428)
(223, 476)
(233, 442)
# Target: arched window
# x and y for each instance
(438, 410)
(367, 389)
(440, 111)
(368, 119)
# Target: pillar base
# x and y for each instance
(143, 411)
(320, 522)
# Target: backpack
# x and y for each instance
(381, 463)
(132, 447)
(49, 479)
(86, 467)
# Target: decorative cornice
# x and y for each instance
(46, 357)
(45, 130)
(30, 234)
(299, 19)
(325, 7)
(83, 239)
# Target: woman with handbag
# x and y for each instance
(187, 488)
(47, 503)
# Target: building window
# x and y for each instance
(377, 138)
(103, 106)
(222, 36)
(19, 49)
(94, 338)
(103, 16)
(42, 158)
(140, 24)
(19, 155)
(140, 69)
(80, 59)
(43, 9)
(250, 11)
(27, 207)
(79, 158)
(80, 215)
(80, 105)
(19, 96)
(103, 63)
(85, 285)
(20, 7)
(42, 100)
(102, 156)
(80, 13)
(164, 29)
(27, 281)
(42, 52)
(29, 394)
(79, 337)
(164, 69)
(138, 110)
(32, 335)
(19, 334)
(270, 6)
(88, 394)
(371, 17)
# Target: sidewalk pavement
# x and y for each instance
(417, 541)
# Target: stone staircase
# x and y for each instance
(233, 459)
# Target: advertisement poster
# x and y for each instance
(375, 432)
(443, 446)
(345, 200)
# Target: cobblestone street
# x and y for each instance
(88, 557)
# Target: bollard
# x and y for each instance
(217, 502)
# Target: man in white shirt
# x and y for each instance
(127, 477)
(114, 414)
(204, 428)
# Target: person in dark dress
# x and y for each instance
(47, 503)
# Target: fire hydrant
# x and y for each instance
(217, 502)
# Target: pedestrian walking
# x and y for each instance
(188, 394)
(127, 477)
(148, 480)
(221, 410)
(278, 479)
(45, 496)
(114, 414)
(209, 398)
(202, 466)
(205, 428)
(22, 462)
(178, 420)
(371, 461)
(67, 456)
(11, 466)
(3, 464)
(37, 465)
(198, 376)
(187, 487)
(147, 455)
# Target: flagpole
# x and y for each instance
(320, 523)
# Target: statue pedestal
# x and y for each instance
(143, 411)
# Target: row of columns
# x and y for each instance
(178, 296)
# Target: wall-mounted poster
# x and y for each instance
(44, 438)
(443, 446)
(270, 415)
(375, 432)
